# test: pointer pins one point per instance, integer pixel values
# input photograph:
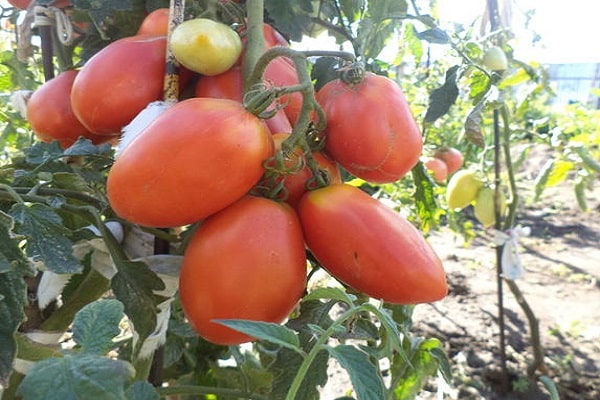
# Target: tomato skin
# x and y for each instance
(20, 4)
(438, 169)
(370, 247)
(155, 23)
(370, 129)
(51, 116)
(452, 157)
(205, 46)
(118, 82)
(244, 262)
(195, 159)
(229, 85)
(462, 189)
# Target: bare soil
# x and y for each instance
(561, 284)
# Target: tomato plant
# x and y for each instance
(118, 82)
(50, 114)
(374, 140)
(265, 284)
(178, 171)
(376, 250)
(205, 46)
(229, 85)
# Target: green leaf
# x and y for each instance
(479, 85)
(442, 98)
(363, 374)
(268, 331)
(291, 17)
(13, 297)
(542, 178)
(11, 255)
(134, 285)
(560, 171)
(323, 71)
(47, 239)
(426, 204)
(330, 293)
(579, 187)
(42, 152)
(434, 35)
(96, 324)
(76, 377)
(141, 390)
(85, 147)
(423, 365)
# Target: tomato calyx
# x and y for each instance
(353, 73)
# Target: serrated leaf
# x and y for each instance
(71, 181)
(442, 98)
(134, 285)
(423, 365)
(47, 239)
(11, 255)
(42, 152)
(425, 200)
(13, 297)
(141, 390)
(285, 368)
(76, 377)
(268, 331)
(96, 324)
(85, 147)
(364, 376)
(330, 293)
(479, 85)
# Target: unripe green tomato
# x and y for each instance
(484, 209)
(205, 46)
(495, 59)
(462, 189)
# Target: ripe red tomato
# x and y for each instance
(229, 85)
(370, 129)
(193, 160)
(370, 247)
(20, 4)
(295, 184)
(155, 23)
(50, 114)
(244, 262)
(273, 37)
(281, 72)
(118, 82)
(452, 157)
(438, 169)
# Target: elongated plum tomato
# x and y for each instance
(118, 82)
(228, 85)
(370, 247)
(370, 129)
(244, 262)
(155, 23)
(205, 46)
(50, 114)
(462, 189)
(437, 168)
(452, 157)
(196, 158)
(295, 182)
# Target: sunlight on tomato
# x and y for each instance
(118, 82)
(370, 129)
(205, 46)
(245, 262)
(195, 159)
(370, 247)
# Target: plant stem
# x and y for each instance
(538, 350)
(499, 249)
(255, 46)
(171, 80)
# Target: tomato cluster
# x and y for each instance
(203, 160)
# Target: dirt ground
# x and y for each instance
(561, 284)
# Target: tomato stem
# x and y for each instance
(255, 46)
